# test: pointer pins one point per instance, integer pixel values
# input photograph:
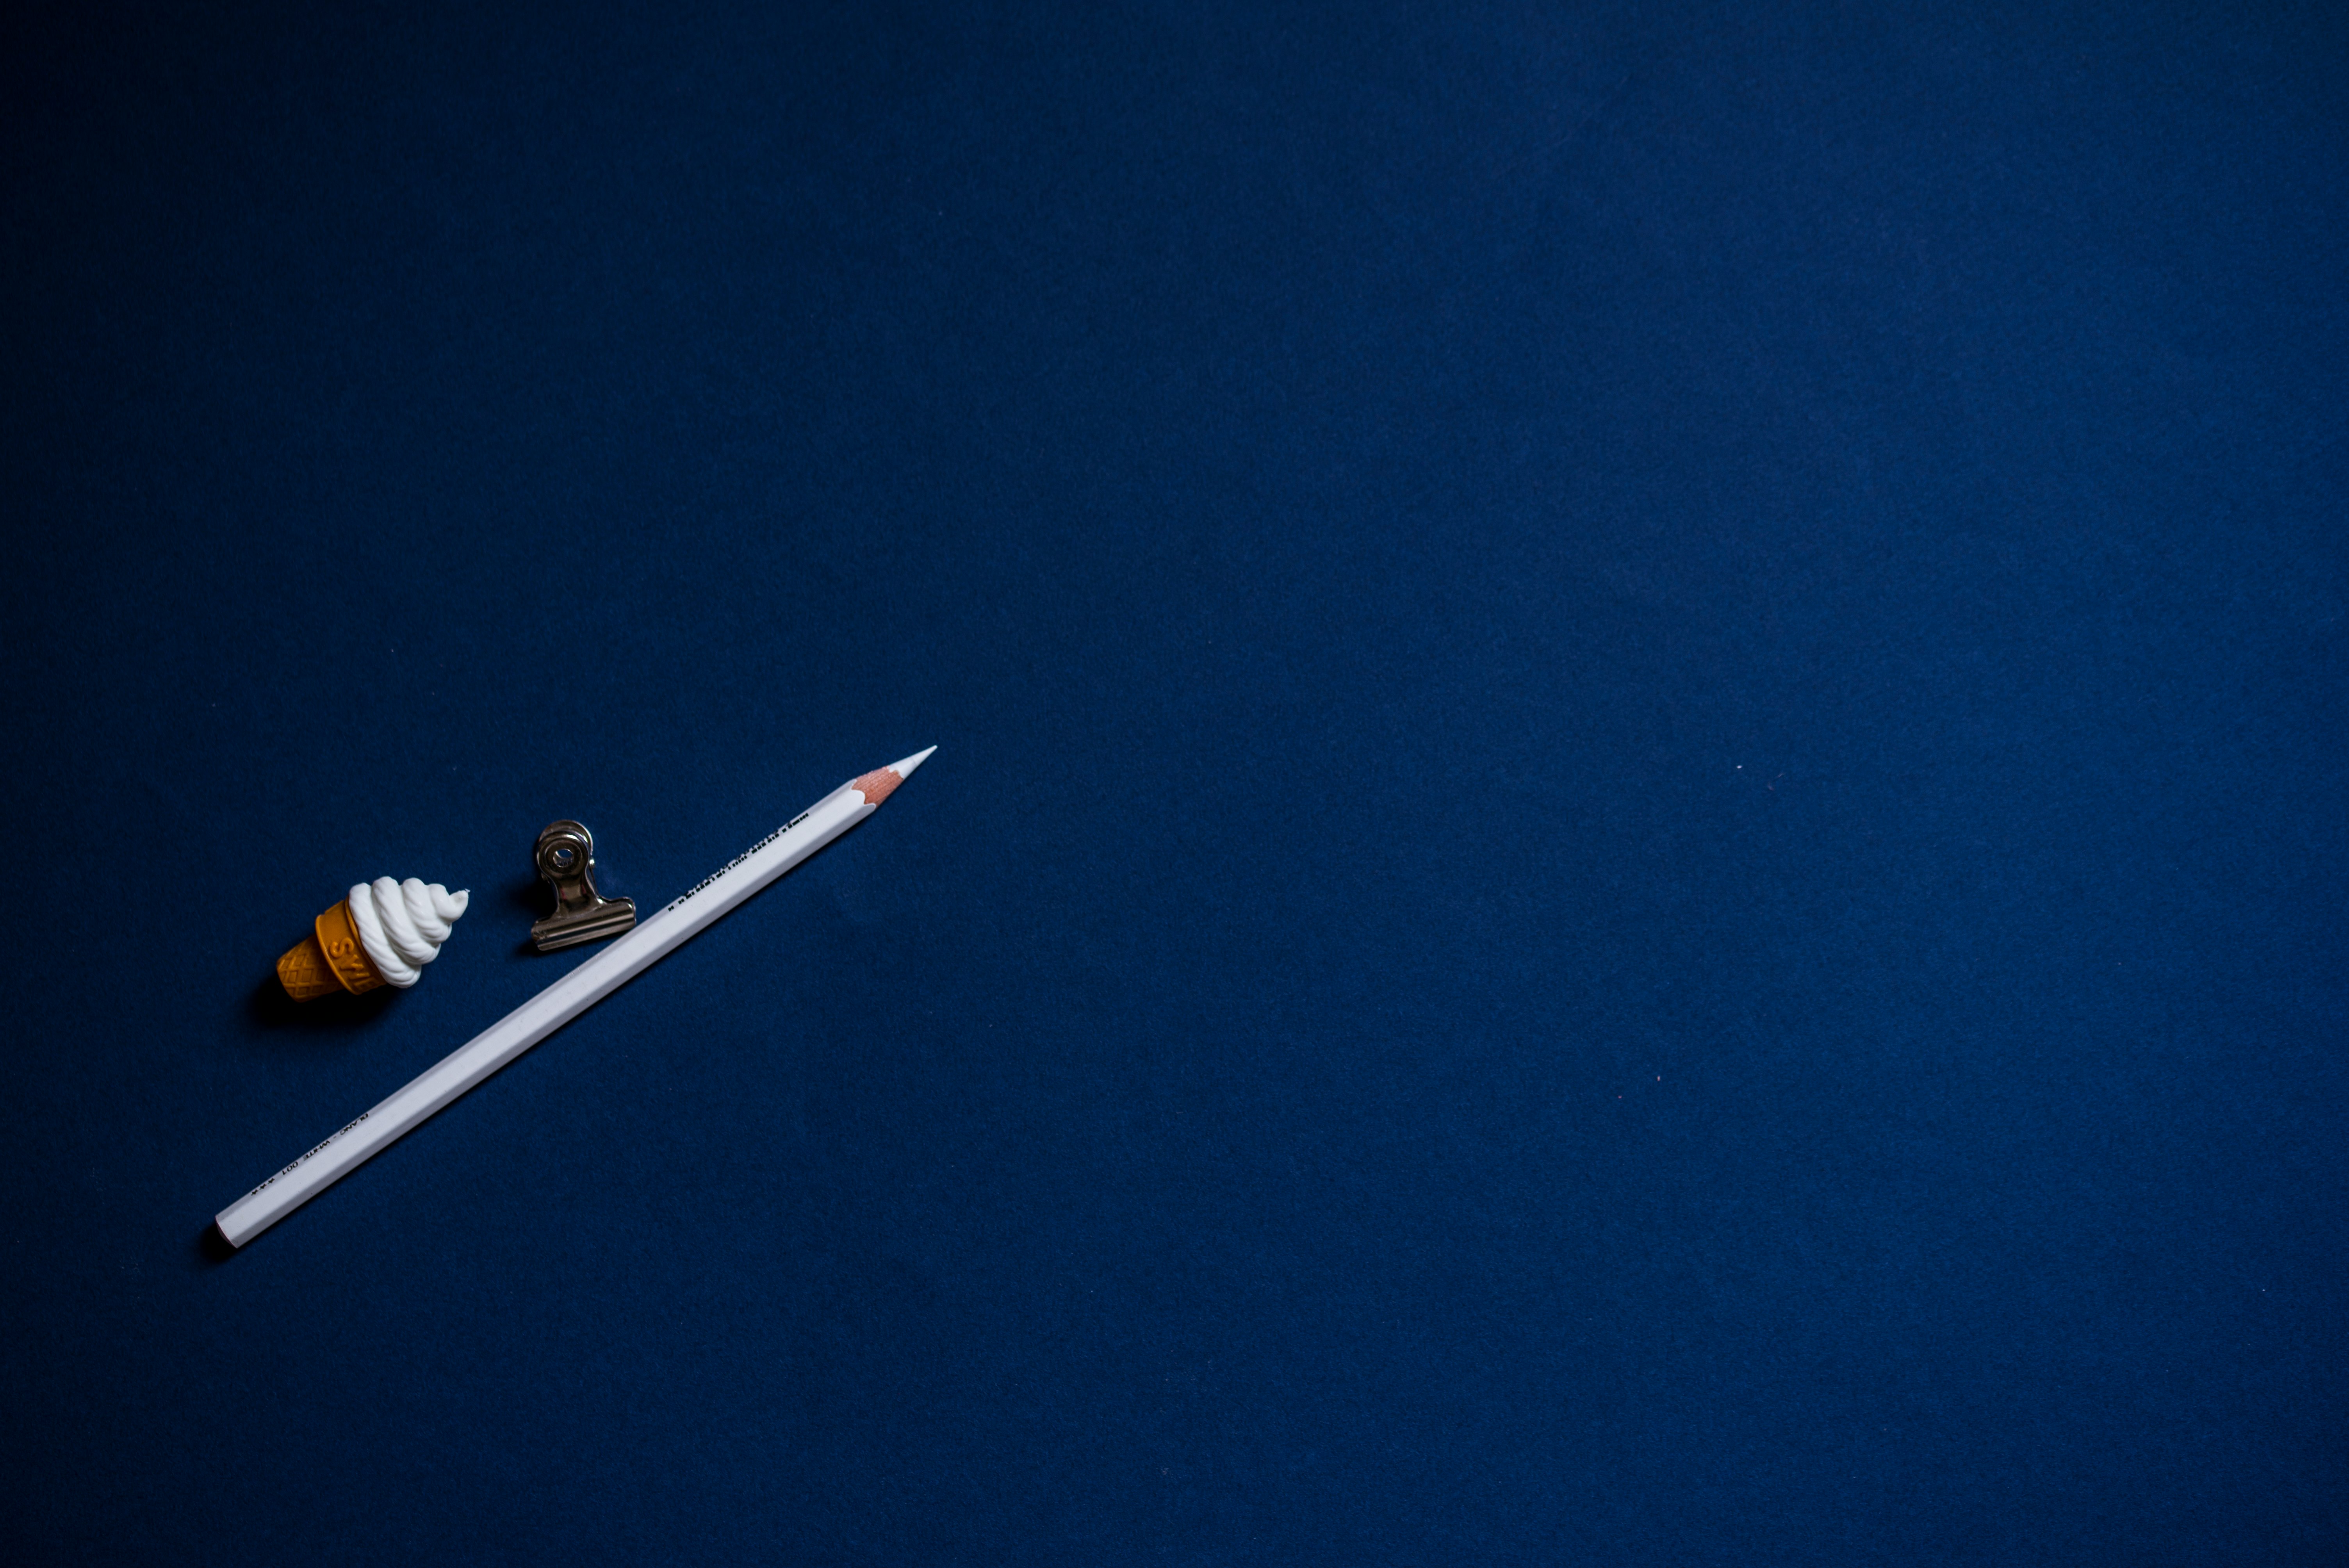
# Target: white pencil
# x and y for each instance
(622, 961)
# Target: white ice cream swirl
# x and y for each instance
(403, 923)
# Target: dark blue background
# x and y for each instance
(1637, 849)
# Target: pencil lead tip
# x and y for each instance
(875, 786)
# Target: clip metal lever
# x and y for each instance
(566, 862)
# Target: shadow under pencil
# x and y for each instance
(212, 1249)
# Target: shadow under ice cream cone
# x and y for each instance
(383, 933)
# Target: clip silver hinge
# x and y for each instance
(566, 862)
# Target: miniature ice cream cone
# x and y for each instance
(383, 933)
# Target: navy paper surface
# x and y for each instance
(1637, 854)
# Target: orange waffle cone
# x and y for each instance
(329, 959)
(304, 972)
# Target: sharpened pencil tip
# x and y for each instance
(878, 785)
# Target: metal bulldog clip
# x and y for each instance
(566, 862)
